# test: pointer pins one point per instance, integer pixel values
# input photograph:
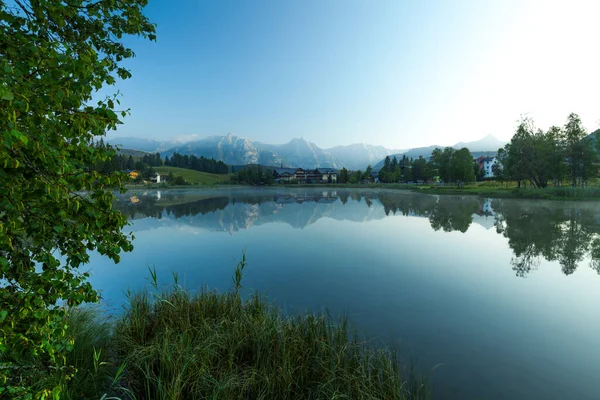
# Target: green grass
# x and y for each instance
(177, 345)
(486, 189)
(510, 190)
(194, 177)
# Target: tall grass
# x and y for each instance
(173, 344)
(218, 346)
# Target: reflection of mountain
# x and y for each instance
(233, 213)
(554, 231)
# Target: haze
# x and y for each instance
(391, 73)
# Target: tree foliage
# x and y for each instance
(254, 175)
(542, 157)
(453, 165)
(201, 164)
(55, 208)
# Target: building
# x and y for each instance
(133, 174)
(328, 175)
(488, 166)
(285, 174)
(159, 178)
(318, 175)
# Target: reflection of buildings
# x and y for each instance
(485, 215)
(324, 197)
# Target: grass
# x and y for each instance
(510, 190)
(173, 344)
(486, 189)
(194, 177)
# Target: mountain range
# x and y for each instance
(298, 152)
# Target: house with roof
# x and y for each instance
(488, 166)
(318, 175)
(133, 174)
(282, 175)
(158, 178)
(486, 163)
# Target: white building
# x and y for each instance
(488, 166)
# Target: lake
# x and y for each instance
(499, 298)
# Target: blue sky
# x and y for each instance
(387, 72)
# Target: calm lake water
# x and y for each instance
(499, 297)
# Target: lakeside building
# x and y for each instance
(317, 175)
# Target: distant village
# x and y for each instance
(321, 175)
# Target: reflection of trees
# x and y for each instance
(534, 230)
(567, 234)
(452, 215)
(203, 206)
(444, 212)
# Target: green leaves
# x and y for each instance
(6, 94)
(54, 56)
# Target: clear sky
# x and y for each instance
(387, 72)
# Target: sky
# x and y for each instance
(400, 74)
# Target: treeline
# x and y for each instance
(347, 176)
(197, 163)
(449, 165)
(124, 162)
(557, 155)
(254, 175)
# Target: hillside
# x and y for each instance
(194, 177)
(133, 153)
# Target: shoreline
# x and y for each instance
(564, 193)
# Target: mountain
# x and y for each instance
(230, 149)
(358, 156)
(594, 136)
(234, 150)
(488, 145)
(301, 153)
(147, 145)
(133, 153)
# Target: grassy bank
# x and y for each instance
(172, 344)
(194, 177)
(549, 193)
(484, 189)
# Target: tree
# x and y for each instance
(344, 176)
(386, 164)
(397, 174)
(462, 166)
(55, 56)
(393, 164)
(577, 150)
(539, 156)
(130, 163)
(381, 175)
(407, 173)
(442, 161)
(367, 174)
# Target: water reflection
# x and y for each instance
(568, 233)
